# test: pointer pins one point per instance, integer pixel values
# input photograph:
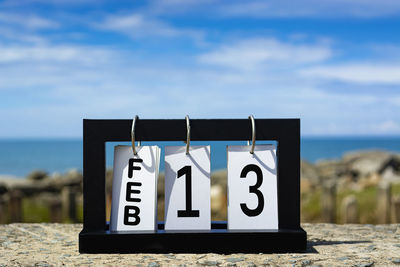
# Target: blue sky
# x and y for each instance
(334, 63)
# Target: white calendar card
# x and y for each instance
(187, 188)
(252, 188)
(134, 192)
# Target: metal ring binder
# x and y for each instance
(187, 134)
(133, 134)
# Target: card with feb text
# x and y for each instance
(134, 192)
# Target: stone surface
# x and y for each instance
(328, 245)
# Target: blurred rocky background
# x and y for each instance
(361, 187)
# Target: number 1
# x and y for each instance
(188, 212)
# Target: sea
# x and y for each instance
(19, 157)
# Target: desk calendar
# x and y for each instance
(263, 187)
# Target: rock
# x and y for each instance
(73, 173)
(267, 262)
(370, 248)
(35, 186)
(42, 264)
(372, 179)
(37, 175)
(369, 264)
(109, 180)
(384, 202)
(170, 256)
(349, 210)
(365, 162)
(3, 189)
(234, 260)
(330, 169)
(305, 186)
(396, 261)
(356, 170)
(309, 173)
(153, 264)
(353, 156)
(218, 198)
(398, 231)
(219, 177)
(390, 175)
(392, 162)
(334, 245)
(329, 201)
(210, 263)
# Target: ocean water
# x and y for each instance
(19, 157)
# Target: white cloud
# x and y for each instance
(249, 8)
(41, 53)
(54, 86)
(23, 28)
(366, 73)
(28, 21)
(386, 127)
(255, 53)
(395, 100)
(138, 25)
(57, 86)
(281, 8)
(8, 33)
(313, 8)
(26, 3)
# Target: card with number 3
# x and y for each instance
(252, 188)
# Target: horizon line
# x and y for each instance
(306, 136)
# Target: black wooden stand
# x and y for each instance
(96, 237)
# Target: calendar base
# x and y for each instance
(218, 240)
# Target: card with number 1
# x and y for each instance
(187, 188)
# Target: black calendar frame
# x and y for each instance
(96, 237)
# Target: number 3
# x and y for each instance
(253, 189)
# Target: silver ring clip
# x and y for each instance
(133, 135)
(253, 134)
(187, 134)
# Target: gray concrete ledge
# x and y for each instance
(328, 245)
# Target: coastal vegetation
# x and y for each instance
(362, 187)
